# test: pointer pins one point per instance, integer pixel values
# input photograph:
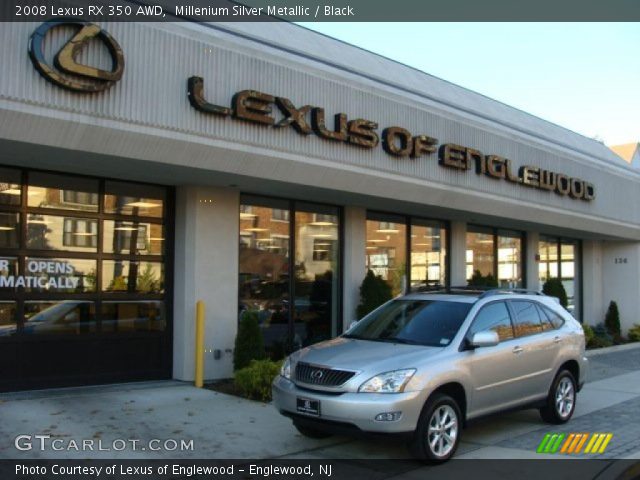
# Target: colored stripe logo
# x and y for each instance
(574, 443)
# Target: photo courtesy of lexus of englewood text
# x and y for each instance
(274, 239)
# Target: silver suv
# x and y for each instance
(425, 363)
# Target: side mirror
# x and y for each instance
(486, 338)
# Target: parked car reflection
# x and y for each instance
(71, 317)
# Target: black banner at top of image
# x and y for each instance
(321, 10)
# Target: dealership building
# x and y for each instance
(264, 167)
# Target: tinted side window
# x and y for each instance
(556, 320)
(527, 321)
(546, 323)
(494, 316)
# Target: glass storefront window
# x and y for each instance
(494, 257)
(548, 267)
(80, 233)
(50, 232)
(509, 259)
(10, 187)
(8, 325)
(428, 254)
(480, 256)
(65, 192)
(8, 273)
(139, 200)
(133, 316)
(386, 249)
(54, 275)
(132, 277)
(276, 259)
(82, 262)
(68, 317)
(264, 270)
(558, 259)
(315, 309)
(9, 230)
(123, 237)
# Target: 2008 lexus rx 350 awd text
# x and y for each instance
(425, 363)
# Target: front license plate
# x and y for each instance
(308, 406)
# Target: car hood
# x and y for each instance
(365, 355)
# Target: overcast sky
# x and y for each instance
(583, 76)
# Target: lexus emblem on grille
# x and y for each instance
(317, 374)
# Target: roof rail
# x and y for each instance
(501, 291)
(459, 290)
(481, 291)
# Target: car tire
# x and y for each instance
(561, 400)
(439, 429)
(311, 432)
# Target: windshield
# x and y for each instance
(416, 322)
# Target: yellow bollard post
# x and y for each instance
(199, 375)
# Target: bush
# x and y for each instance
(601, 337)
(479, 280)
(554, 288)
(254, 381)
(612, 321)
(634, 333)
(374, 291)
(249, 345)
(588, 334)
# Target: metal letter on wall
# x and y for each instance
(68, 73)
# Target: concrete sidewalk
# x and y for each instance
(223, 426)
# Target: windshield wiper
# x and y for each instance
(355, 337)
(399, 340)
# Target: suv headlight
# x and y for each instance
(285, 369)
(388, 382)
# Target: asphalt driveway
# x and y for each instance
(156, 420)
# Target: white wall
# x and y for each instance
(621, 281)
(355, 232)
(458, 254)
(592, 283)
(206, 255)
(532, 280)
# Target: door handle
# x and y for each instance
(518, 350)
(557, 340)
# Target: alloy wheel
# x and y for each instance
(443, 430)
(565, 397)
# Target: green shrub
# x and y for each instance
(479, 280)
(249, 345)
(554, 288)
(374, 291)
(254, 381)
(601, 337)
(634, 333)
(612, 321)
(588, 334)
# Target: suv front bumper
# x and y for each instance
(355, 409)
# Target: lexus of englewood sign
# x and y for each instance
(257, 107)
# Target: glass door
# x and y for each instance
(289, 272)
(315, 288)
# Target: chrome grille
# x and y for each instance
(326, 377)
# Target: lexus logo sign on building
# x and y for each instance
(67, 72)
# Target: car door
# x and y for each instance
(554, 341)
(536, 349)
(492, 368)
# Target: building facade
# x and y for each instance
(266, 168)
